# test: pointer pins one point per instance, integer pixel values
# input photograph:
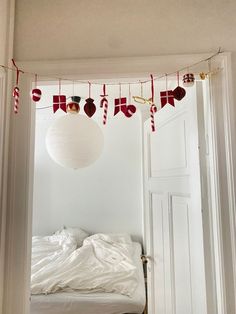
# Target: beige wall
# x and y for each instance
(3, 30)
(6, 29)
(65, 29)
(71, 29)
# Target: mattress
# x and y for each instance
(93, 303)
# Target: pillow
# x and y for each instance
(122, 238)
(76, 233)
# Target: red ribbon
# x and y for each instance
(152, 88)
(18, 71)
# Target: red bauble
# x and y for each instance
(36, 94)
(179, 93)
(130, 110)
(89, 107)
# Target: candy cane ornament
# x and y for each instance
(16, 95)
(16, 90)
(153, 108)
(104, 105)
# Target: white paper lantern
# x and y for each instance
(74, 141)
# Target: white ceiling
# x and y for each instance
(71, 29)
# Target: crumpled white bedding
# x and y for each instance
(103, 264)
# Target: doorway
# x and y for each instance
(21, 161)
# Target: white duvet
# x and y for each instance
(103, 264)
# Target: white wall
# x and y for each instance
(106, 196)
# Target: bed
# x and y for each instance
(95, 301)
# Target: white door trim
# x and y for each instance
(7, 15)
(220, 149)
(21, 153)
(230, 138)
(228, 206)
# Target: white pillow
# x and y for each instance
(122, 238)
(76, 233)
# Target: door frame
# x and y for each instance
(7, 13)
(221, 146)
(21, 158)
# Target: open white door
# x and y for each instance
(173, 211)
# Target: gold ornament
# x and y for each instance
(73, 107)
(142, 100)
(202, 75)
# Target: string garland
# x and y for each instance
(166, 96)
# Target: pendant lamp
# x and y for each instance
(74, 141)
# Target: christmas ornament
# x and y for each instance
(141, 99)
(76, 99)
(104, 104)
(16, 95)
(130, 109)
(202, 75)
(73, 106)
(188, 79)
(153, 108)
(89, 107)
(120, 105)
(59, 101)
(167, 97)
(179, 92)
(16, 90)
(36, 92)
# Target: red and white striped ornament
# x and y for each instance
(16, 90)
(153, 108)
(130, 111)
(36, 92)
(104, 105)
(16, 95)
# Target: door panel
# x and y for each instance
(162, 161)
(180, 246)
(173, 219)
